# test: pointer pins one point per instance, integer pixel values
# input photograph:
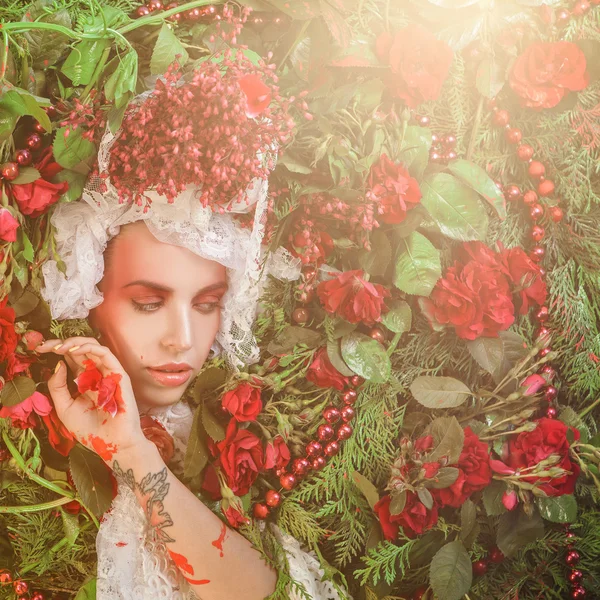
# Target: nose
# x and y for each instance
(178, 337)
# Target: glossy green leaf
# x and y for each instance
(20, 103)
(211, 425)
(196, 454)
(477, 179)
(449, 439)
(121, 84)
(455, 207)
(418, 266)
(414, 152)
(444, 478)
(516, 529)
(334, 354)
(167, 49)
(210, 379)
(83, 60)
(366, 357)
(439, 392)
(26, 175)
(71, 148)
(92, 479)
(70, 527)
(87, 591)
(469, 528)
(560, 509)
(16, 390)
(27, 247)
(398, 502)
(451, 573)
(76, 183)
(376, 261)
(368, 490)
(490, 77)
(488, 352)
(399, 317)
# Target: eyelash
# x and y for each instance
(143, 308)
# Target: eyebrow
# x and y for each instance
(221, 285)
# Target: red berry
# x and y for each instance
(325, 432)
(5, 577)
(578, 593)
(424, 121)
(318, 463)
(451, 155)
(480, 568)
(344, 432)
(550, 393)
(350, 396)
(495, 555)
(9, 171)
(556, 213)
(562, 16)
(581, 8)
(38, 596)
(551, 412)
(449, 140)
(193, 14)
(287, 481)
(348, 413)
(154, 5)
(377, 334)
(356, 380)
(544, 352)
(537, 253)
(23, 157)
(530, 197)
(272, 498)
(501, 118)
(525, 152)
(537, 233)
(572, 557)
(536, 212)
(331, 414)
(34, 141)
(575, 576)
(332, 449)
(536, 169)
(21, 587)
(300, 316)
(514, 135)
(300, 466)
(542, 314)
(313, 448)
(51, 111)
(39, 128)
(435, 157)
(512, 192)
(546, 188)
(142, 11)
(261, 511)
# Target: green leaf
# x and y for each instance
(414, 152)
(514, 350)
(492, 498)
(27, 247)
(92, 479)
(516, 529)
(399, 317)
(368, 490)
(76, 183)
(210, 379)
(26, 175)
(449, 438)
(561, 509)
(72, 148)
(286, 340)
(46, 46)
(121, 84)
(16, 390)
(376, 261)
(569, 417)
(335, 358)
(398, 502)
(439, 392)
(167, 49)
(418, 265)
(444, 478)
(196, 454)
(21, 103)
(214, 429)
(87, 591)
(366, 357)
(490, 78)
(25, 303)
(451, 574)
(469, 528)
(454, 207)
(8, 121)
(294, 165)
(425, 497)
(487, 352)
(83, 59)
(70, 527)
(477, 179)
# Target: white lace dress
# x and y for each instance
(132, 567)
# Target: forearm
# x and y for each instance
(206, 551)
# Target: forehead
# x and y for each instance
(137, 254)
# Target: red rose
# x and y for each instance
(244, 402)
(526, 276)
(351, 297)
(109, 391)
(414, 519)
(394, 190)
(258, 94)
(235, 518)
(532, 447)
(322, 373)
(8, 226)
(241, 458)
(210, 483)
(474, 299)
(159, 436)
(22, 415)
(475, 472)
(18, 363)
(419, 63)
(277, 454)
(34, 198)
(545, 73)
(59, 436)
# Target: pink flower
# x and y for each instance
(533, 384)
(510, 500)
(22, 414)
(8, 226)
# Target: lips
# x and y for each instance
(171, 374)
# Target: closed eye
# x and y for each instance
(148, 307)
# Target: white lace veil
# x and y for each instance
(84, 228)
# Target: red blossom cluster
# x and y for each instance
(218, 131)
(478, 294)
(89, 116)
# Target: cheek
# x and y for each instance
(205, 331)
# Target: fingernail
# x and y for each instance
(57, 347)
(73, 348)
(57, 367)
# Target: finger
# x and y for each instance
(75, 366)
(57, 386)
(49, 345)
(74, 342)
(105, 360)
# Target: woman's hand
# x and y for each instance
(93, 427)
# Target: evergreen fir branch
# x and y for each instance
(386, 562)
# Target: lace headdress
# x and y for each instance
(179, 217)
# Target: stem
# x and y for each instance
(155, 19)
(4, 62)
(476, 126)
(296, 41)
(97, 72)
(15, 510)
(591, 407)
(393, 343)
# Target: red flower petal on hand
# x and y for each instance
(89, 380)
(109, 394)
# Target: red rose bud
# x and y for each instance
(8, 226)
(532, 384)
(510, 500)
(563, 65)
(419, 63)
(322, 373)
(351, 297)
(277, 454)
(33, 339)
(499, 467)
(244, 402)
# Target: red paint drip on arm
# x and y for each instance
(218, 543)
(101, 448)
(184, 566)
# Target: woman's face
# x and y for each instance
(160, 314)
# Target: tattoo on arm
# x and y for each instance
(150, 492)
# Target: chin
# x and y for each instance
(158, 398)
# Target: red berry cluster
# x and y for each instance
(481, 566)
(443, 147)
(89, 116)
(20, 587)
(201, 133)
(562, 16)
(200, 14)
(330, 435)
(572, 558)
